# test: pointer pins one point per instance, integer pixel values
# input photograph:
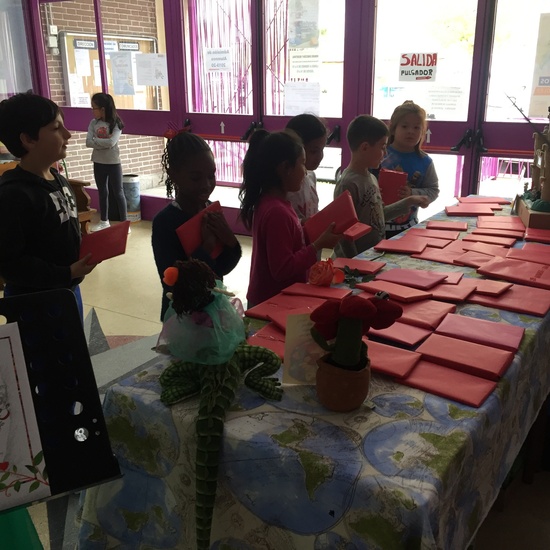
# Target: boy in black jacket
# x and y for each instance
(39, 228)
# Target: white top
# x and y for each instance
(305, 201)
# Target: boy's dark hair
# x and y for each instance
(266, 151)
(365, 128)
(108, 103)
(308, 127)
(24, 113)
(177, 152)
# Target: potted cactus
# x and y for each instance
(343, 376)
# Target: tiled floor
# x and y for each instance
(125, 295)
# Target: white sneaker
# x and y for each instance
(101, 225)
(129, 230)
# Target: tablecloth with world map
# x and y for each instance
(406, 470)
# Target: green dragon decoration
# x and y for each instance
(203, 329)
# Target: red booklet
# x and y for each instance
(105, 244)
(356, 230)
(326, 292)
(491, 288)
(449, 383)
(417, 278)
(444, 256)
(190, 235)
(400, 293)
(516, 233)
(390, 360)
(485, 248)
(472, 259)
(476, 359)
(389, 182)
(404, 245)
(517, 271)
(282, 302)
(531, 252)
(448, 226)
(502, 222)
(434, 243)
(490, 239)
(453, 277)
(425, 314)
(480, 331)
(341, 210)
(407, 335)
(538, 235)
(434, 233)
(518, 298)
(280, 317)
(482, 200)
(366, 267)
(269, 337)
(454, 293)
(464, 209)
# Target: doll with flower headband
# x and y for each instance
(206, 335)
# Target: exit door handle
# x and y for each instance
(478, 140)
(334, 135)
(465, 140)
(253, 126)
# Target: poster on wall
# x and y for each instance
(540, 95)
(417, 67)
(121, 68)
(23, 477)
(151, 69)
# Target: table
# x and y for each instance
(415, 471)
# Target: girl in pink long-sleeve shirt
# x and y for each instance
(273, 166)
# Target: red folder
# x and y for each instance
(531, 252)
(280, 317)
(485, 248)
(389, 182)
(341, 210)
(390, 360)
(538, 235)
(405, 245)
(434, 233)
(434, 243)
(269, 337)
(417, 278)
(470, 209)
(366, 267)
(449, 383)
(454, 293)
(282, 302)
(516, 233)
(480, 331)
(448, 226)
(326, 292)
(519, 298)
(482, 200)
(397, 292)
(357, 230)
(190, 235)
(491, 288)
(490, 239)
(444, 256)
(503, 222)
(517, 271)
(472, 259)
(105, 244)
(407, 335)
(425, 314)
(453, 277)
(476, 359)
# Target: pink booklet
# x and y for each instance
(389, 182)
(282, 302)
(366, 267)
(531, 252)
(105, 244)
(434, 233)
(399, 293)
(407, 335)
(270, 337)
(426, 314)
(391, 360)
(326, 292)
(447, 225)
(417, 278)
(517, 271)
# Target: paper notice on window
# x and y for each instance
(218, 59)
(121, 69)
(151, 69)
(302, 97)
(23, 477)
(304, 64)
(82, 62)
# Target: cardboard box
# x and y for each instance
(530, 218)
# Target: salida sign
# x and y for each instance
(419, 67)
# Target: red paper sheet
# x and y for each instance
(105, 244)
(490, 239)
(454, 293)
(400, 293)
(480, 331)
(519, 298)
(470, 209)
(326, 292)
(366, 267)
(282, 302)
(269, 337)
(475, 359)
(407, 335)
(190, 235)
(447, 226)
(484, 200)
(517, 271)
(425, 314)
(434, 233)
(449, 383)
(405, 245)
(390, 360)
(390, 181)
(417, 278)
(531, 252)
(341, 210)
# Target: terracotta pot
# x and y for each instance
(342, 390)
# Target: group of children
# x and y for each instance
(39, 231)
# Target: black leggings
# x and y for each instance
(109, 177)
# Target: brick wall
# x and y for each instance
(139, 154)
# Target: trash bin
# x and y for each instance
(130, 184)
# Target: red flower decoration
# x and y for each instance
(323, 273)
